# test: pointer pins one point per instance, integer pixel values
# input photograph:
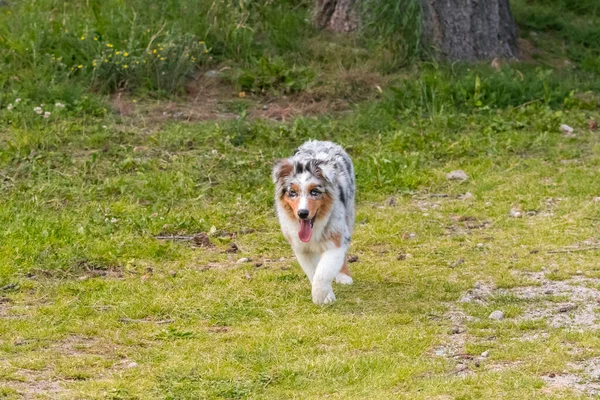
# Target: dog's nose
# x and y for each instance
(303, 214)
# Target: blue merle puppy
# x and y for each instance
(314, 197)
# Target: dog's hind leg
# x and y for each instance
(344, 278)
(329, 266)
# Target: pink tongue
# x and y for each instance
(305, 231)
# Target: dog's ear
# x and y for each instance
(328, 172)
(282, 169)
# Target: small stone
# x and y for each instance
(352, 259)
(211, 74)
(258, 264)
(83, 278)
(466, 196)
(458, 175)
(567, 308)
(480, 245)
(516, 213)
(497, 315)
(282, 259)
(440, 351)
(461, 367)
(132, 364)
(248, 276)
(477, 364)
(202, 240)
(392, 202)
(567, 130)
(579, 272)
(265, 107)
(485, 353)
(173, 273)
(232, 249)
(597, 199)
(243, 260)
(552, 375)
(531, 213)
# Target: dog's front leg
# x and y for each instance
(308, 261)
(329, 266)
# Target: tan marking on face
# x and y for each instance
(321, 206)
(290, 205)
(345, 269)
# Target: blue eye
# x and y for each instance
(315, 192)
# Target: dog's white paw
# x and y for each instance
(344, 279)
(322, 294)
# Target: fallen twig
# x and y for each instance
(574, 250)
(130, 320)
(174, 237)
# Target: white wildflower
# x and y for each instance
(38, 110)
(59, 105)
(9, 107)
(18, 100)
(47, 114)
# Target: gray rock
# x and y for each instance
(497, 315)
(458, 175)
(212, 74)
(485, 353)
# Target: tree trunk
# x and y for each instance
(337, 15)
(454, 29)
(469, 29)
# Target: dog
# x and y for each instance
(314, 198)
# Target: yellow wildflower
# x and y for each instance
(80, 66)
(125, 54)
(94, 63)
(96, 39)
(162, 59)
(134, 100)
(105, 60)
(118, 52)
(125, 66)
(242, 94)
(201, 42)
(154, 51)
(66, 31)
(109, 45)
(82, 38)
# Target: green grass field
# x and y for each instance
(98, 301)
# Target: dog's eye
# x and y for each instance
(292, 193)
(315, 192)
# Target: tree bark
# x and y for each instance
(466, 30)
(469, 29)
(336, 15)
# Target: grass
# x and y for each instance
(93, 291)
(94, 305)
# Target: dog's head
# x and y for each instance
(304, 191)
